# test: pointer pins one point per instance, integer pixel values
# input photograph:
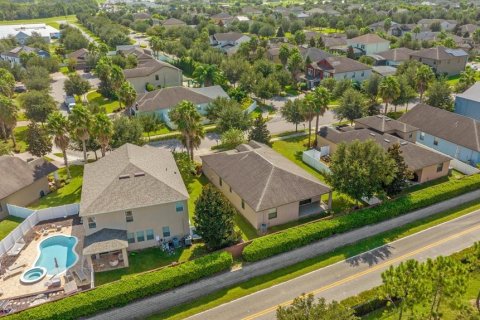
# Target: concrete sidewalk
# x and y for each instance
(187, 293)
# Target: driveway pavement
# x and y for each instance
(354, 275)
(58, 94)
(211, 139)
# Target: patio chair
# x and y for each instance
(80, 275)
(17, 247)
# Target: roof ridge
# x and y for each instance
(265, 188)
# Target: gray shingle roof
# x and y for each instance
(263, 178)
(173, 22)
(131, 177)
(339, 64)
(105, 240)
(473, 93)
(228, 36)
(17, 174)
(397, 54)
(439, 53)
(367, 39)
(385, 124)
(416, 157)
(146, 65)
(445, 125)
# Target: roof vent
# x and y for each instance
(124, 176)
(404, 143)
(139, 174)
(388, 119)
(386, 140)
(372, 134)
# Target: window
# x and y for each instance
(422, 135)
(166, 231)
(243, 204)
(92, 223)
(220, 181)
(306, 201)
(131, 237)
(129, 216)
(410, 135)
(179, 207)
(435, 141)
(156, 77)
(230, 191)
(353, 76)
(140, 236)
(150, 234)
(272, 214)
(440, 167)
(363, 73)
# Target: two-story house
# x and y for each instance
(228, 42)
(450, 133)
(336, 67)
(133, 198)
(468, 103)
(369, 43)
(443, 61)
(392, 57)
(13, 56)
(446, 25)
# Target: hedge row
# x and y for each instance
(296, 237)
(124, 291)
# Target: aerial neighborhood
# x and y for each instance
(239, 160)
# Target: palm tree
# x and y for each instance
(102, 130)
(207, 74)
(156, 44)
(321, 99)
(7, 83)
(127, 94)
(81, 122)
(59, 126)
(8, 118)
(424, 77)
(308, 112)
(388, 90)
(467, 79)
(117, 77)
(188, 121)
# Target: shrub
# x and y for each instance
(296, 237)
(128, 289)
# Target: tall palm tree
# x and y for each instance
(59, 126)
(388, 90)
(207, 74)
(188, 121)
(81, 123)
(467, 78)
(8, 118)
(127, 94)
(7, 83)
(156, 44)
(102, 130)
(321, 99)
(423, 78)
(116, 77)
(308, 112)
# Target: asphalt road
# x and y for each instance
(354, 275)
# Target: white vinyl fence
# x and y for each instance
(463, 167)
(32, 217)
(312, 158)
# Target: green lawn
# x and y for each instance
(292, 149)
(98, 99)
(149, 259)
(70, 193)
(52, 21)
(163, 130)
(8, 224)
(20, 135)
(340, 254)
(454, 174)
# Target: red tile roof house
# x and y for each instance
(336, 67)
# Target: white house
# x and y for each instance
(369, 43)
(21, 32)
(228, 42)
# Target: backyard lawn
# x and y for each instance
(149, 259)
(70, 193)
(292, 149)
(98, 99)
(20, 135)
(8, 224)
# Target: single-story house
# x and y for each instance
(228, 42)
(392, 57)
(468, 103)
(265, 187)
(467, 30)
(442, 60)
(425, 164)
(384, 71)
(334, 42)
(151, 71)
(446, 25)
(337, 67)
(141, 16)
(172, 23)
(132, 199)
(22, 32)
(450, 133)
(161, 101)
(13, 56)
(22, 183)
(383, 124)
(222, 18)
(369, 43)
(81, 58)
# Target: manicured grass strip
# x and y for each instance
(296, 237)
(98, 99)
(262, 282)
(50, 21)
(124, 291)
(8, 224)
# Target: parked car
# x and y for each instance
(69, 103)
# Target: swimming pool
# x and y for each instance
(57, 254)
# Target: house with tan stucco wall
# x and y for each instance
(22, 183)
(265, 187)
(132, 199)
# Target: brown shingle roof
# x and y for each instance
(398, 54)
(116, 183)
(79, 54)
(263, 178)
(17, 174)
(343, 64)
(367, 39)
(416, 157)
(439, 53)
(173, 22)
(228, 36)
(445, 125)
(146, 65)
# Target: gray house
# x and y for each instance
(468, 103)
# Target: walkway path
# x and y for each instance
(160, 302)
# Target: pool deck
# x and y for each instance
(12, 287)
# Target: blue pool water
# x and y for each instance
(57, 254)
